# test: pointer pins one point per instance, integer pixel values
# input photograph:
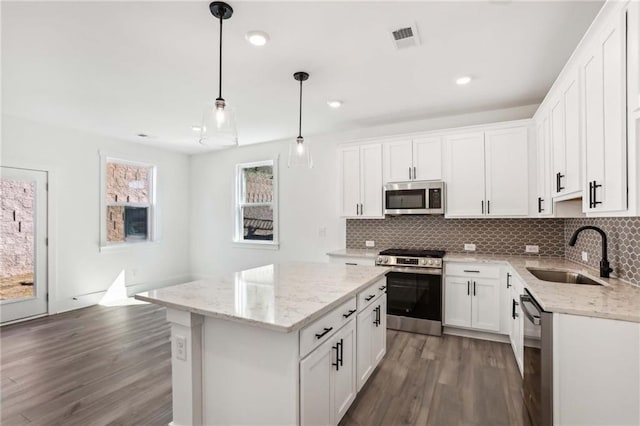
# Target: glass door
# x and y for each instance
(23, 250)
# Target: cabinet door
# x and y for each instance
(573, 155)
(371, 181)
(379, 340)
(457, 301)
(427, 158)
(464, 171)
(605, 122)
(316, 404)
(544, 204)
(344, 374)
(507, 186)
(559, 147)
(398, 163)
(365, 344)
(349, 181)
(485, 304)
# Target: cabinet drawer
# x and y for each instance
(342, 260)
(323, 328)
(472, 270)
(371, 293)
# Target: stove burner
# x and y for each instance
(413, 253)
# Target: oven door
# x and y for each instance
(414, 295)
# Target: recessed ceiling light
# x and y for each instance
(334, 104)
(461, 81)
(196, 128)
(257, 38)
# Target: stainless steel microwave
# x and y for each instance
(416, 197)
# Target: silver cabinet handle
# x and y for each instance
(414, 172)
(409, 173)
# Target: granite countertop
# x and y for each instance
(371, 253)
(615, 299)
(282, 297)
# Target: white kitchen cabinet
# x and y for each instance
(464, 162)
(372, 338)
(565, 139)
(604, 94)
(485, 304)
(515, 288)
(543, 202)
(413, 159)
(472, 296)
(507, 176)
(487, 173)
(457, 302)
(328, 379)
(361, 181)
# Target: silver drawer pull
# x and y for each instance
(470, 271)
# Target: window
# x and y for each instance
(128, 194)
(256, 203)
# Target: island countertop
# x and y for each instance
(281, 297)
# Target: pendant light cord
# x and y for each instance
(220, 62)
(300, 116)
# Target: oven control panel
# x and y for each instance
(421, 262)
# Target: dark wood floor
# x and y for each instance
(111, 365)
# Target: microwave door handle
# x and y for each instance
(524, 300)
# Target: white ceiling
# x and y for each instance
(122, 68)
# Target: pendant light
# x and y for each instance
(299, 151)
(218, 122)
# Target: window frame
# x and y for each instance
(239, 204)
(104, 204)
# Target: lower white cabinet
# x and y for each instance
(516, 322)
(372, 338)
(472, 297)
(328, 379)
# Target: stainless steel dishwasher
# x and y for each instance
(538, 361)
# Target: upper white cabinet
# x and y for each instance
(464, 163)
(565, 139)
(361, 181)
(507, 176)
(413, 159)
(604, 71)
(544, 203)
(487, 173)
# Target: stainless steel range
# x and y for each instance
(414, 290)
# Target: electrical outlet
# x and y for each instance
(370, 244)
(585, 256)
(531, 249)
(181, 348)
(469, 247)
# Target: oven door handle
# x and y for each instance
(525, 300)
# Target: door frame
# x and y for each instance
(51, 253)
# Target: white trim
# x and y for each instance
(238, 204)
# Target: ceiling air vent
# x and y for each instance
(405, 37)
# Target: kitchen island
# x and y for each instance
(275, 344)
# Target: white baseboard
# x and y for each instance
(475, 334)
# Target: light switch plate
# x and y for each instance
(370, 243)
(532, 249)
(585, 256)
(469, 247)
(181, 348)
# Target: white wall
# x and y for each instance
(80, 269)
(308, 198)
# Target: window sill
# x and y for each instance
(256, 245)
(126, 245)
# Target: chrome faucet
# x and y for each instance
(605, 269)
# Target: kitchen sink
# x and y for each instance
(566, 277)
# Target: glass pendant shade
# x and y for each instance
(300, 153)
(218, 126)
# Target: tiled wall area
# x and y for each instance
(491, 236)
(624, 244)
